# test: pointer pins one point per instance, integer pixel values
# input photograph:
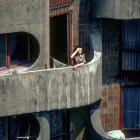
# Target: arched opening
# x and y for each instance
(23, 127)
(17, 49)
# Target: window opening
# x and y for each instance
(60, 38)
(131, 103)
(23, 127)
(130, 71)
(2, 51)
(17, 49)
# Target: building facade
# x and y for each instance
(119, 23)
(37, 100)
(41, 96)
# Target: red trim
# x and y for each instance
(14, 66)
(120, 117)
(54, 3)
(61, 11)
(130, 129)
(8, 50)
(3, 68)
(70, 29)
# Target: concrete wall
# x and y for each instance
(31, 16)
(44, 128)
(118, 9)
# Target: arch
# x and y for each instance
(18, 49)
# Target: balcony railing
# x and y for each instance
(50, 89)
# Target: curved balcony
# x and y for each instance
(49, 89)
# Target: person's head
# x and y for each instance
(80, 50)
(77, 48)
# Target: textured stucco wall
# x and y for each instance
(30, 16)
(118, 9)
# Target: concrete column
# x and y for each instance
(44, 129)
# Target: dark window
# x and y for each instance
(60, 38)
(17, 49)
(131, 107)
(131, 45)
(23, 127)
(2, 50)
(130, 77)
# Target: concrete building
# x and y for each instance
(41, 96)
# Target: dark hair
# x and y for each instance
(83, 49)
(75, 48)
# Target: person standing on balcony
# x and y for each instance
(78, 57)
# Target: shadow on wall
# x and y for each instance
(79, 122)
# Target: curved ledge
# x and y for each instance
(49, 89)
(117, 9)
(98, 131)
(44, 125)
(95, 126)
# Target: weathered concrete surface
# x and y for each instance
(118, 9)
(31, 16)
(44, 129)
(98, 131)
(95, 127)
(51, 89)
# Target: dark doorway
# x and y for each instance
(23, 127)
(60, 125)
(59, 38)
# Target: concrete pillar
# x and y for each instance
(44, 129)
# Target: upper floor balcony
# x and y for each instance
(48, 89)
(34, 87)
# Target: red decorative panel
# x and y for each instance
(54, 3)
